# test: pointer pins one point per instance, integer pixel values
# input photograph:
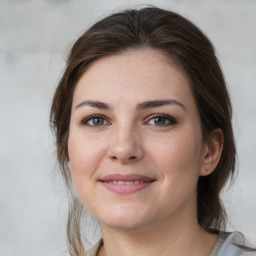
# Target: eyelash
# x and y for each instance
(93, 117)
(171, 120)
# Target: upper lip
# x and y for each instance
(126, 177)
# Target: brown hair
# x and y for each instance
(181, 41)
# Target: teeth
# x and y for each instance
(126, 182)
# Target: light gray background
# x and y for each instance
(34, 39)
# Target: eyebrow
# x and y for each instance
(140, 106)
(158, 103)
(93, 104)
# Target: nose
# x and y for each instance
(125, 145)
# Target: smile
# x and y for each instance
(126, 184)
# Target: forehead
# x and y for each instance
(134, 74)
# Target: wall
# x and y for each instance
(34, 39)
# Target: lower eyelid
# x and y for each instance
(170, 119)
(85, 121)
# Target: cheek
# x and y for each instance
(180, 162)
(178, 159)
(84, 154)
(179, 150)
(84, 157)
(82, 163)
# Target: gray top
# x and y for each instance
(226, 245)
(231, 244)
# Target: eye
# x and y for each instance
(95, 120)
(161, 120)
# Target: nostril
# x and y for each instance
(129, 158)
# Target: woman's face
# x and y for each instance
(135, 143)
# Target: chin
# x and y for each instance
(128, 226)
(125, 220)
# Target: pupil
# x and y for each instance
(97, 121)
(159, 121)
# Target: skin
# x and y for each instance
(127, 139)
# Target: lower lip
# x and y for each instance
(126, 189)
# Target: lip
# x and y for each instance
(126, 183)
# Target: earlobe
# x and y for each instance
(212, 152)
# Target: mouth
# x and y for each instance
(126, 184)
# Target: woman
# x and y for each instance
(142, 119)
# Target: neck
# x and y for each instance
(177, 238)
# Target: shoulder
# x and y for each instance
(234, 245)
(231, 244)
(93, 251)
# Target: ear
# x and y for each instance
(212, 152)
